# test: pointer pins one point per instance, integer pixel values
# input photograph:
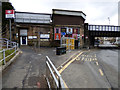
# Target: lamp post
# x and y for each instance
(10, 28)
(9, 14)
(109, 20)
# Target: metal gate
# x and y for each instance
(68, 42)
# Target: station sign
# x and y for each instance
(44, 36)
(10, 13)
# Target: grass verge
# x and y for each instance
(7, 52)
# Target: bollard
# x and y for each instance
(4, 56)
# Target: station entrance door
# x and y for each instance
(68, 42)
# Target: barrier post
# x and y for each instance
(4, 56)
(7, 44)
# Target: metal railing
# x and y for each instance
(103, 28)
(8, 45)
(3, 54)
(53, 77)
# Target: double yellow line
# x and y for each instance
(66, 65)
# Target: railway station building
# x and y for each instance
(61, 28)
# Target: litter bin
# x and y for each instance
(60, 50)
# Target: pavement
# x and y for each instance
(29, 68)
(94, 68)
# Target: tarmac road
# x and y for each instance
(29, 68)
(93, 69)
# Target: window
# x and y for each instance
(118, 28)
(112, 28)
(57, 30)
(100, 28)
(90, 27)
(104, 28)
(93, 27)
(107, 28)
(97, 28)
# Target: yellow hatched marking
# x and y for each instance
(82, 58)
(95, 55)
(101, 72)
(97, 63)
(90, 59)
(61, 70)
(96, 59)
(109, 89)
(65, 85)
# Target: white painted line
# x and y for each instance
(39, 54)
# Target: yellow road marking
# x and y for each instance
(85, 59)
(96, 63)
(90, 59)
(96, 59)
(109, 89)
(64, 67)
(82, 58)
(65, 61)
(93, 59)
(101, 72)
(95, 55)
(65, 84)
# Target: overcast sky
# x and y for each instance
(97, 11)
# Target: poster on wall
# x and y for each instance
(57, 30)
(75, 31)
(57, 34)
(63, 32)
(69, 31)
(75, 36)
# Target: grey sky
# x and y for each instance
(97, 11)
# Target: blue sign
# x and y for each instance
(63, 33)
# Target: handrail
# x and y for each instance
(9, 45)
(57, 79)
